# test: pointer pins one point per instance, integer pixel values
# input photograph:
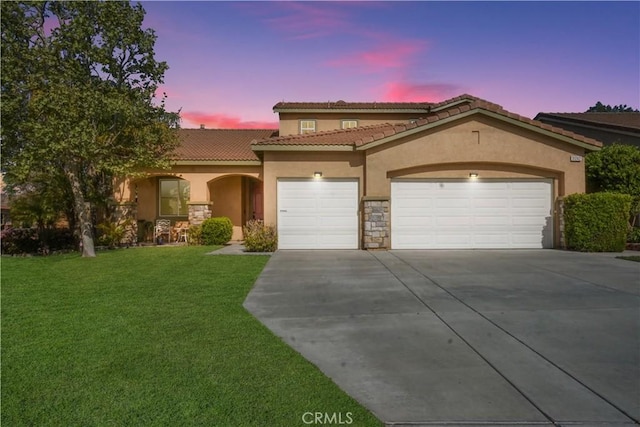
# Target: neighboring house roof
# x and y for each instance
(629, 122)
(218, 145)
(369, 136)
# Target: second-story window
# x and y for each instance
(307, 126)
(348, 124)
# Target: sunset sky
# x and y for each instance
(230, 62)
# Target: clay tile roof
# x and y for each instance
(368, 134)
(342, 105)
(623, 121)
(332, 137)
(219, 144)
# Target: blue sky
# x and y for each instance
(230, 62)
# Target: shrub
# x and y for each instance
(596, 222)
(16, 241)
(259, 237)
(111, 234)
(21, 241)
(634, 235)
(194, 235)
(216, 231)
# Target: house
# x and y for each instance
(608, 128)
(463, 173)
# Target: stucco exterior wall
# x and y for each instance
(219, 184)
(226, 195)
(490, 147)
(302, 165)
(289, 122)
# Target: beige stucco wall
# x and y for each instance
(279, 164)
(289, 122)
(226, 195)
(490, 147)
(218, 183)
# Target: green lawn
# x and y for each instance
(635, 258)
(150, 336)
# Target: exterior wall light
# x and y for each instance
(317, 174)
(473, 175)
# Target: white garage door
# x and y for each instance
(446, 214)
(318, 214)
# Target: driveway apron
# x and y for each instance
(464, 337)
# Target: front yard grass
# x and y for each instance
(635, 258)
(150, 337)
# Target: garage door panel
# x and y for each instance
(318, 214)
(487, 221)
(490, 203)
(453, 221)
(471, 214)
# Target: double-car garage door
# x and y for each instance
(466, 214)
(425, 214)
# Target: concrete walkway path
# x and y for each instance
(236, 248)
(464, 337)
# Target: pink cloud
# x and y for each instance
(426, 92)
(396, 55)
(302, 20)
(222, 121)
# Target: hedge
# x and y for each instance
(216, 231)
(23, 241)
(596, 222)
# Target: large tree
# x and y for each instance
(78, 98)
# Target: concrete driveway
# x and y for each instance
(465, 337)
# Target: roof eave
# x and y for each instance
(351, 110)
(306, 147)
(217, 162)
(501, 117)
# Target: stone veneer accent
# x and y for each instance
(376, 223)
(125, 214)
(199, 211)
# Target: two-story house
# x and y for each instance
(463, 173)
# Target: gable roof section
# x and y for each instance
(368, 107)
(218, 146)
(629, 122)
(366, 137)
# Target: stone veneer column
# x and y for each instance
(560, 214)
(199, 211)
(126, 214)
(375, 223)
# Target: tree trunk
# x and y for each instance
(83, 213)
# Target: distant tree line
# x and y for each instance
(601, 108)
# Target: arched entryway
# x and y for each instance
(238, 197)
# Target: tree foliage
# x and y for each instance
(78, 87)
(615, 168)
(601, 108)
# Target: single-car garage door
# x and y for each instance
(317, 214)
(456, 214)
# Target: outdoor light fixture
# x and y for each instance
(317, 174)
(473, 175)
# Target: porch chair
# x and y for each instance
(163, 226)
(181, 229)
